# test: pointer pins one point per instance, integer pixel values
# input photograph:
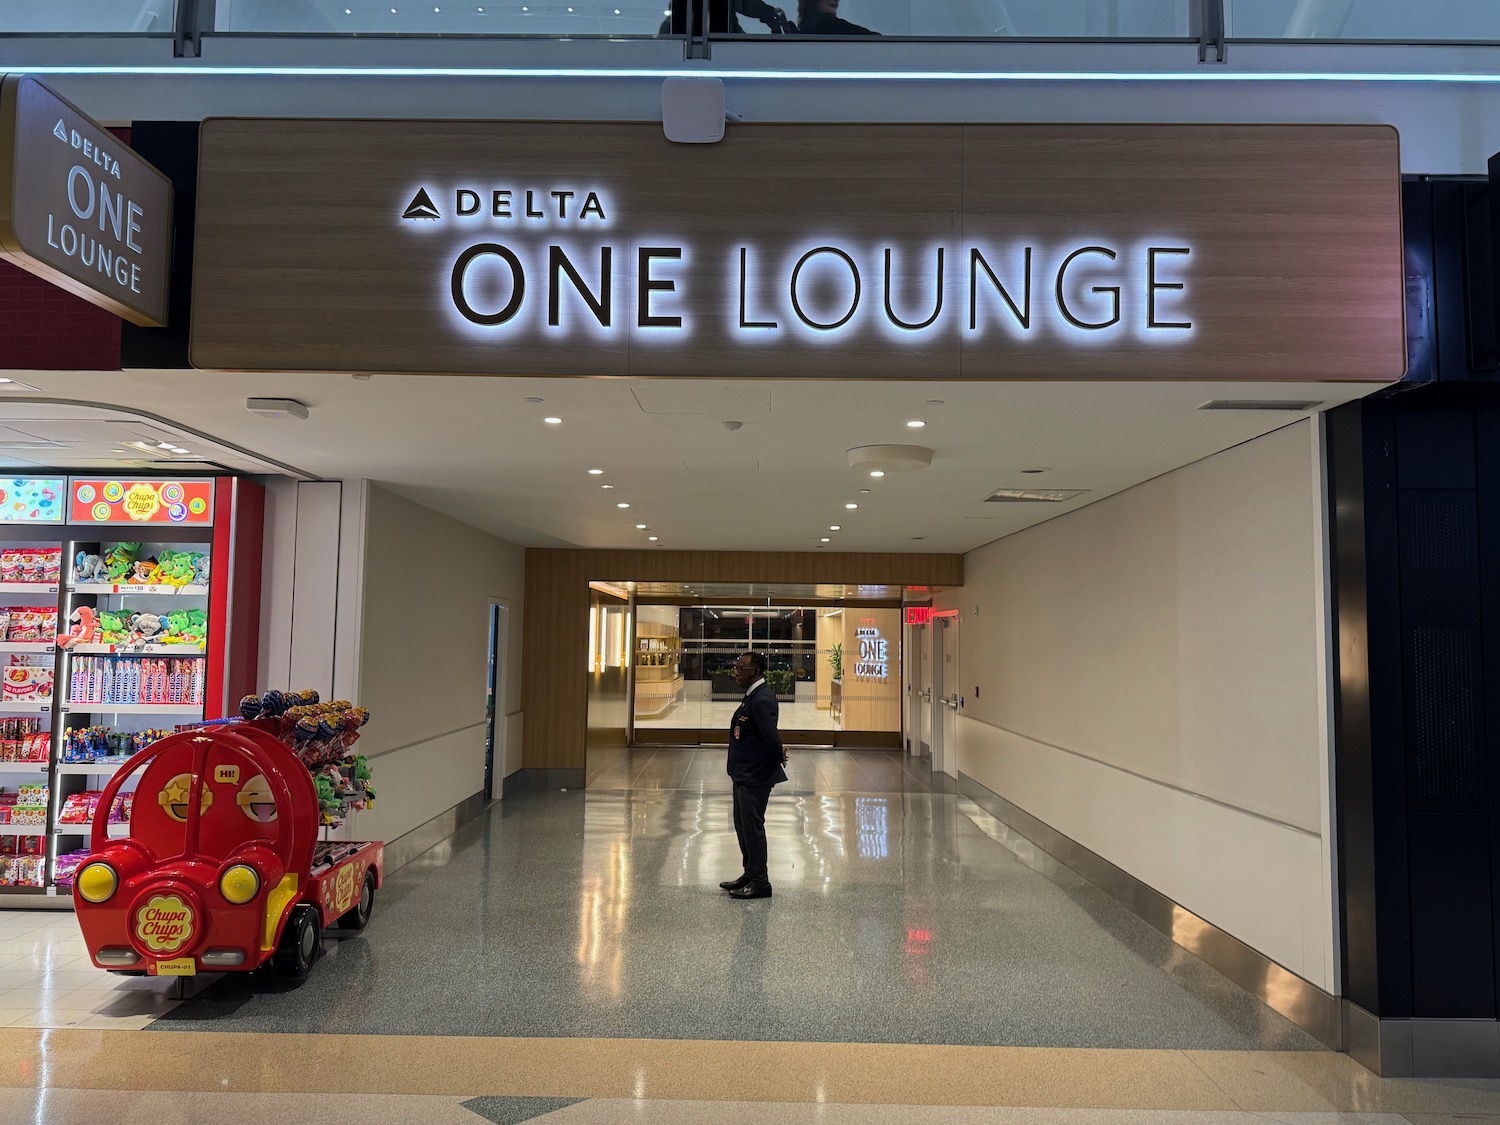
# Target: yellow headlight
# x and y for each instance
(97, 881)
(239, 884)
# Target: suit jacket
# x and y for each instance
(754, 742)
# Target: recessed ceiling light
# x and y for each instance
(934, 402)
(877, 472)
(606, 486)
(915, 424)
(851, 507)
(1033, 470)
(5, 380)
(833, 527)
(177, 449)
(596, 472)
(622, 504)
(533, 398)
(651, 538)
(825, 539)
(552, 421)
(641, 527)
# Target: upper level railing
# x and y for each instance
(1404, 21)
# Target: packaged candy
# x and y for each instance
(10, 565)
(119, 812)
(27, 685)
(79, 808)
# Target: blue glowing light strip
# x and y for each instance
(751, 75)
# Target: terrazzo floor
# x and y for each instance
(569, 959)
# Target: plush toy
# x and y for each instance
(196, 631)
(176, 628)
(328, 800)
(118, 559)
(111, 627)
(174, 568)
(200, 570)
(88, 568)
(143, 571)
(86, 629)
(144, 628)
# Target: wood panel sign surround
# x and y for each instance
(828, 251)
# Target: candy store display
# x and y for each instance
(128, 564)
(30, 564)
(28, 500)
(25, 806)
(322, 735)
(132, 680)
(28, 623)
(26, 683)
(66, 865)
(24, 740)
(83, 745)
(23, 861)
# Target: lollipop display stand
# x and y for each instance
(223, 869)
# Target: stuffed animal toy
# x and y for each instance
(144, 628)
(143, 571)
(88, 568)
(177, 626)
(118, 559)
(200, 570)
(174, 568)
(111, 627)
(86, 629)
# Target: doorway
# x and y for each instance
(494, 729)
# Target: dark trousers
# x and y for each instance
(750, 827)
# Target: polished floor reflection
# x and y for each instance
(896, 920)
(569, 959)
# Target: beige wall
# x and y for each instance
(428, 584)
(1152, 682)
(870, 702)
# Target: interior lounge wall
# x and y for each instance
(424, 648)
(557, 612)
(1148, 676)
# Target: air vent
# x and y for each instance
(1033, 495)
(1290, 405)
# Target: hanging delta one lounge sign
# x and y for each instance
(823, 251)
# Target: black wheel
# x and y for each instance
(298, 950)
(359, 917)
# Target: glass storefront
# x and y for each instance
(834, 668)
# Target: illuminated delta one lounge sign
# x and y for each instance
(534, 259)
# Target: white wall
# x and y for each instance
(1152, 682)
(428, 584)
(373, 598)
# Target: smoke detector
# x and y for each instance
(890, 458)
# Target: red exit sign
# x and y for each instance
(918, 614)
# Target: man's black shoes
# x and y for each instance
(751, 890)
(735, 884)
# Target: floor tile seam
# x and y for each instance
(1196, 1065)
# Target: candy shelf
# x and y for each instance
(116, 831)
(127, 588)
(38, 707)
(25, 767)
(22, 830)
(138, 650)
(27, 588)
(89, 769)
(132, 709)
(43, 648)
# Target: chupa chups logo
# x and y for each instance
(164, 924)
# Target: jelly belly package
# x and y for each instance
(30, 564)
(27, 684)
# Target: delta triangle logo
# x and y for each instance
(421, 207)
(59, 132)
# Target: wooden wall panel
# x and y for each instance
(555, 681)
(305, 261)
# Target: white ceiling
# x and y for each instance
(477, 450)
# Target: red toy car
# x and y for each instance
(222, 869)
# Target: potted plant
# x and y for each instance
(723, 685)
(836, 662)
(783, 683)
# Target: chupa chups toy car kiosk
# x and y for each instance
(223, 869)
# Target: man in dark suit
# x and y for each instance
(755, 760)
